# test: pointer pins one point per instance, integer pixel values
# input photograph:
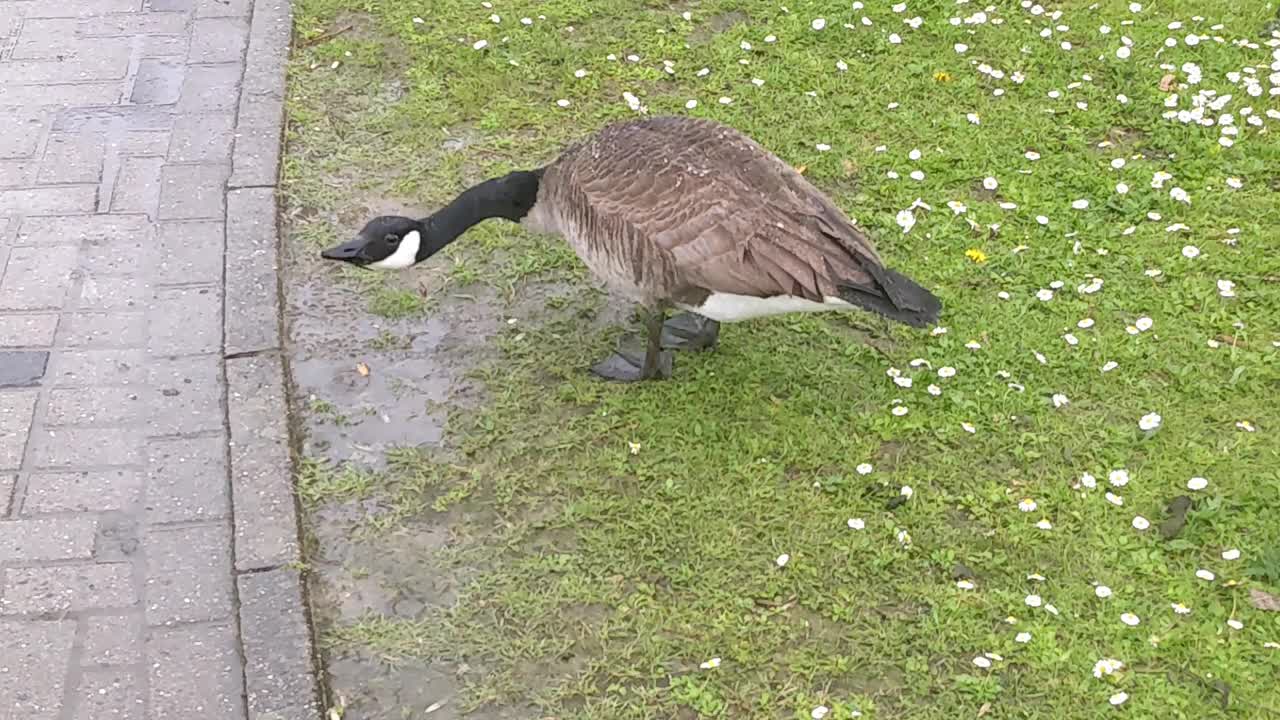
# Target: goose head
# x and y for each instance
(388, 242)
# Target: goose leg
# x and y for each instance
(631, 365)
(690, 331)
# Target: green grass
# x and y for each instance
(640, 525)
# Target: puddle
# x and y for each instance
(363, 384)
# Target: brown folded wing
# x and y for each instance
(713, 209)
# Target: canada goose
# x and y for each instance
(674, 212)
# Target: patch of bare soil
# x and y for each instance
(362, 385)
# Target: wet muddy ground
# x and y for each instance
(364, 385)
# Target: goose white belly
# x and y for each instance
(729, 307)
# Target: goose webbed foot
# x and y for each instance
(627, 365)
(690, 331)
(630, 364)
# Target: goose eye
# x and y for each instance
(392, 239)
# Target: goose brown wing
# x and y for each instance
(729, 215)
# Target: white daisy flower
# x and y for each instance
(1232, 554)
(1180, 609)
(1107, 666)
(864, 469)
(1115, 499)
(1022, 637)
(1119, 698)
(819, 712)
(1190, 252)
(1206, 575)
(982, 662)
(1060, 400)
(1150, 421)
(1143, 323)
(1044, 294)
(818, 23)
(968, 427)
(710, 664)
(900, 410)
(1044, 524)
(1033, 601)
(782, 560)
(856, 524)
(1197, 483)
(906, 220)
(1102, 591)
(1088, 481)
(934, 390)
(990, 183)
(946, 371)
(1081, 204)
(1130, 619)
(1140, 523)
(1027, 505)
(964, 584)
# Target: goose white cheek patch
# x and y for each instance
(406, 254)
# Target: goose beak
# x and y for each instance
(351, 251)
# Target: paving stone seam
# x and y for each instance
(266, 695)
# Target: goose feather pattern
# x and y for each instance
(697, 214)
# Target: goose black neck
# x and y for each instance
(509, 197)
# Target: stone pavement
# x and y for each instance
(148, 531)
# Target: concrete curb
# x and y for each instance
(280, 668)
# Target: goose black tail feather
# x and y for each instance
(896, 297)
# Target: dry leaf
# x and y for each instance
(362, 369)
(986, 708)
(1264, 601)
(801, 168)
(1166, 82)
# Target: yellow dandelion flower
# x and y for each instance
(975, 255)
(942, 76)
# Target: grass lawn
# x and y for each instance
(829, 511)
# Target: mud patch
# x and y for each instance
(717, 24)
(410, 690)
